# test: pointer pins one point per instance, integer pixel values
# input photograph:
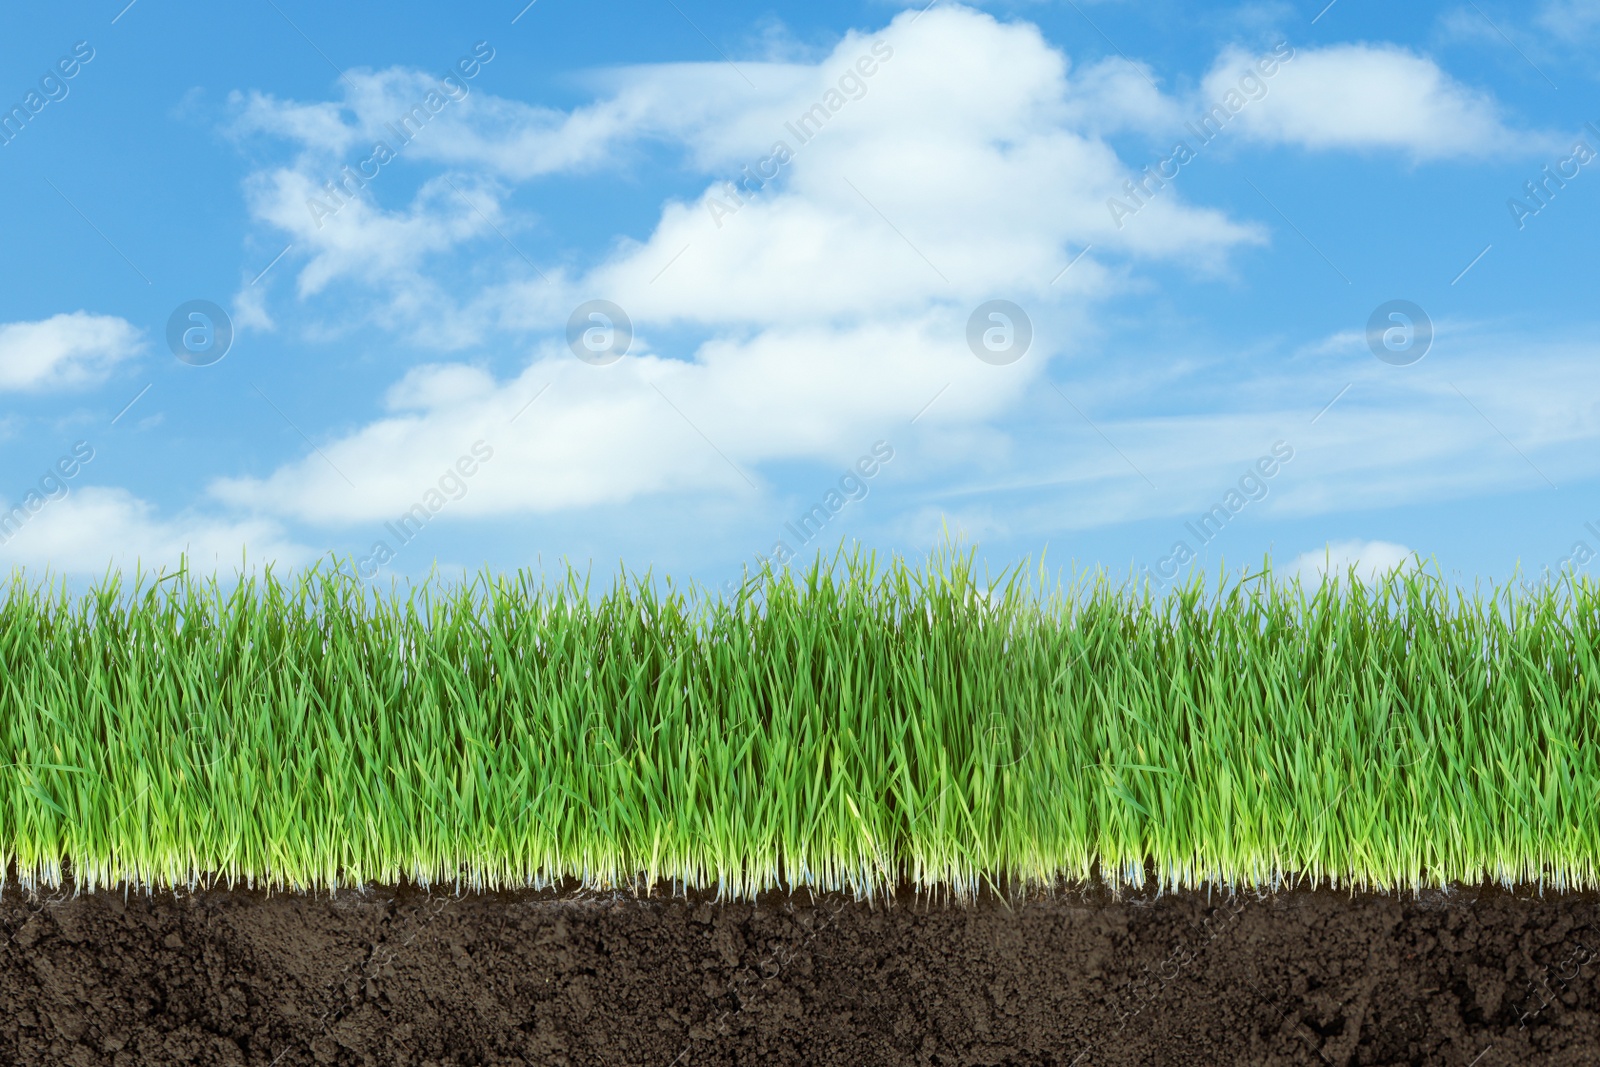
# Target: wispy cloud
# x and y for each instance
(67, 351)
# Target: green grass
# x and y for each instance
(856, 725)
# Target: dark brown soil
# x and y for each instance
(401, 977)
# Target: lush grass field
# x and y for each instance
(858, 725)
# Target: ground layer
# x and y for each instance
(1486, 978)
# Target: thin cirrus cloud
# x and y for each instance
(1432, 436)
(1574, 21)
(1553, 29)
(67, 351)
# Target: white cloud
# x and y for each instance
(1572, 21)
(1115, 94)
(1359, 96)
(376, 249)
(360, 239)
(646, 424)
(1396, 438)
(1370, 561)
(250, 309)
(831, 306)
(93, 527)
(958, 107)
(64, 351)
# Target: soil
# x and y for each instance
(399, 976)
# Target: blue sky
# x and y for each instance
(815, 354)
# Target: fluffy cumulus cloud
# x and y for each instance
(64, 351)
(811, 296)
(854, 212)
(598, 435)
(1359, 96)
(969, 136)
(1367, 561)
